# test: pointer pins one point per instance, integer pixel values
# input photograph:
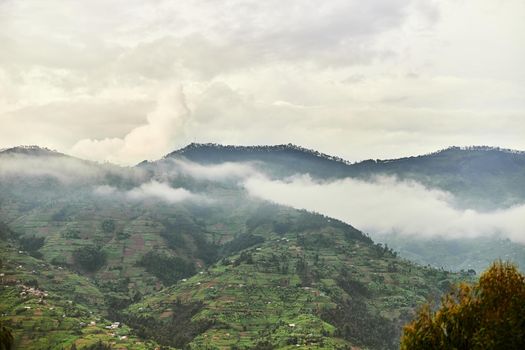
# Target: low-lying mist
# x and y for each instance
(152, 190)
(386, 205)
(383, 205)
(63, 168)
(171, 168)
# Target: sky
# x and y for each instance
(123, 81)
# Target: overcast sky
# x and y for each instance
(130, 80)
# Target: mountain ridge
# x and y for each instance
(40, 150)
(293, 147)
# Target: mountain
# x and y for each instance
(29, 150)
(479, 178)
(174, 255)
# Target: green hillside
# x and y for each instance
(319, 285)
(218, 270)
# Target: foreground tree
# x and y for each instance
(487, 315)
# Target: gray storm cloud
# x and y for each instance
(387, 205)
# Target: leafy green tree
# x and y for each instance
(487, 315)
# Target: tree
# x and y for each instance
(108, 226)
(168, 269)
(89, 258)
(487, 315)
(6, 338)
(98, 346)
(32, 243)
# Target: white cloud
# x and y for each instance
(386, 205)
(213, 172)
(164, 128)
(62, 168)
(152, 190)
(161, 191)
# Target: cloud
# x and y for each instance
(213, 172)
(387, 205)
(63, 168)
(163, 192)
(164, 128)
(359, 79)
(152, 190)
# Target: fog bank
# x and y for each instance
(387, 205)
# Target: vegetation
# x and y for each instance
(291, 289)
(241, 242)
(89, 258)
(487, 315)
(97, 346)
(176, 329)
(108, 226)
(168, 269)
(32, 243)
